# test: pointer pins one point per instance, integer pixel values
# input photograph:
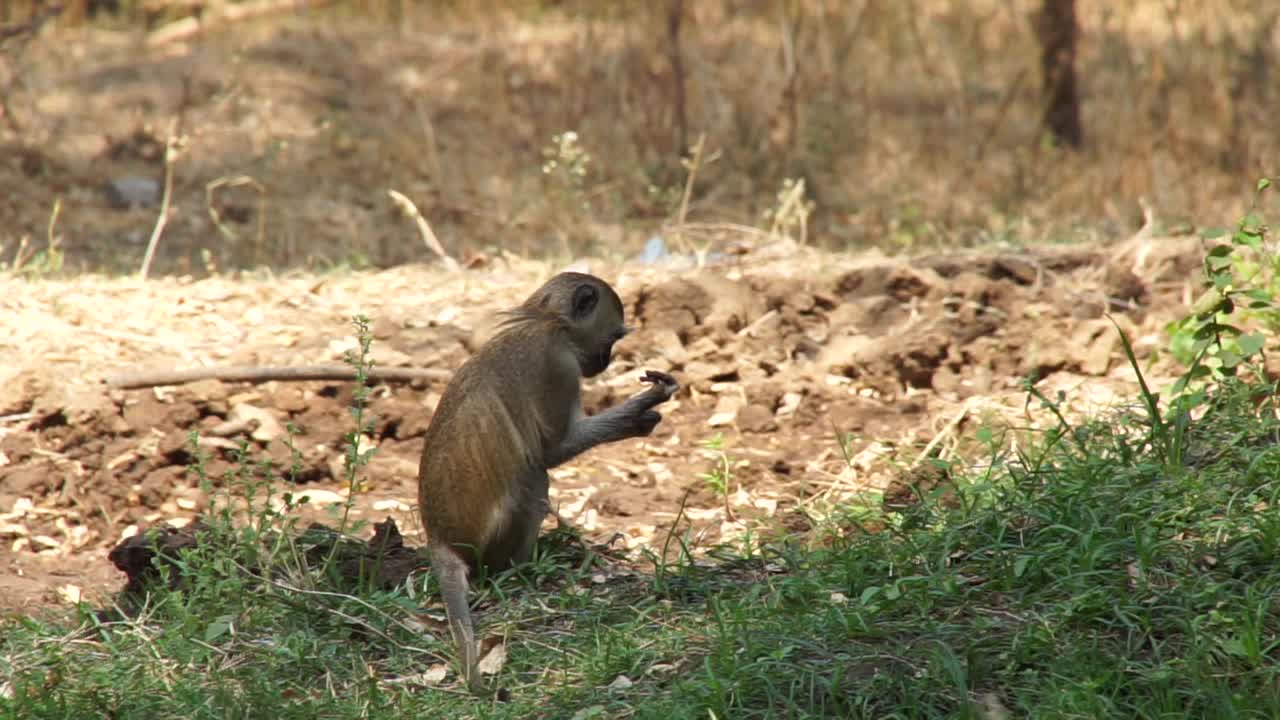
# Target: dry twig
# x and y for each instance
(258, 374)
(407, 207)
(692, 164)
(172, 148)
(224, 13)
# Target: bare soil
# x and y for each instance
(781, 351)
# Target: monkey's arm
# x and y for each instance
(633, 418)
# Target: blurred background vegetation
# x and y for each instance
(571, 127)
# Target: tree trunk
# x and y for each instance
(675, 16)
(1056, 29)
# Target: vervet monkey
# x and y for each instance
(510, 413)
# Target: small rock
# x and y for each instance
(1091, 346)
(1020, 270)
(701, 348)
(789, 403)
(946, 382)
(1121, 284)
(289, 399)
(174, 447)
(205, 391)
(387, 470)
(667, 344)
(701, 372)
(265, 427)
(756, 419)
(726, 411)
(384, 356)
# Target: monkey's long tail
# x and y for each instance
(451, 573)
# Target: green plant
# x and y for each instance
(1243, 279)
(354, 457)
(720, 478)
(789, 215)
(39, 263)
(564, 199)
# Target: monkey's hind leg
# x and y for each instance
(451, 573)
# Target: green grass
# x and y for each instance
(1097, 574)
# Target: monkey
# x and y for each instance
(511, 412)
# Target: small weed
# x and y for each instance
(34, 263)
(789, 215)
(565, 163)
(720, 478)
(565, 199)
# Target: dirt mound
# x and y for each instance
(822, 375)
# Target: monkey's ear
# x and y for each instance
(585, 298)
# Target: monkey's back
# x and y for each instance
(486, 432)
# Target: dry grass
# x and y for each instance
(912, 124)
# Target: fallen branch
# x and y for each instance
(190, 26)
(259, 374)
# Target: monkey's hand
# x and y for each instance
(633, 418)
(663, 386)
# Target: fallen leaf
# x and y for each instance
(720, 419)
(492, 662)
(319, 497)
(435, 674)
(622, 682)
(70, 594)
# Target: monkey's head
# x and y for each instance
(589, 310)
